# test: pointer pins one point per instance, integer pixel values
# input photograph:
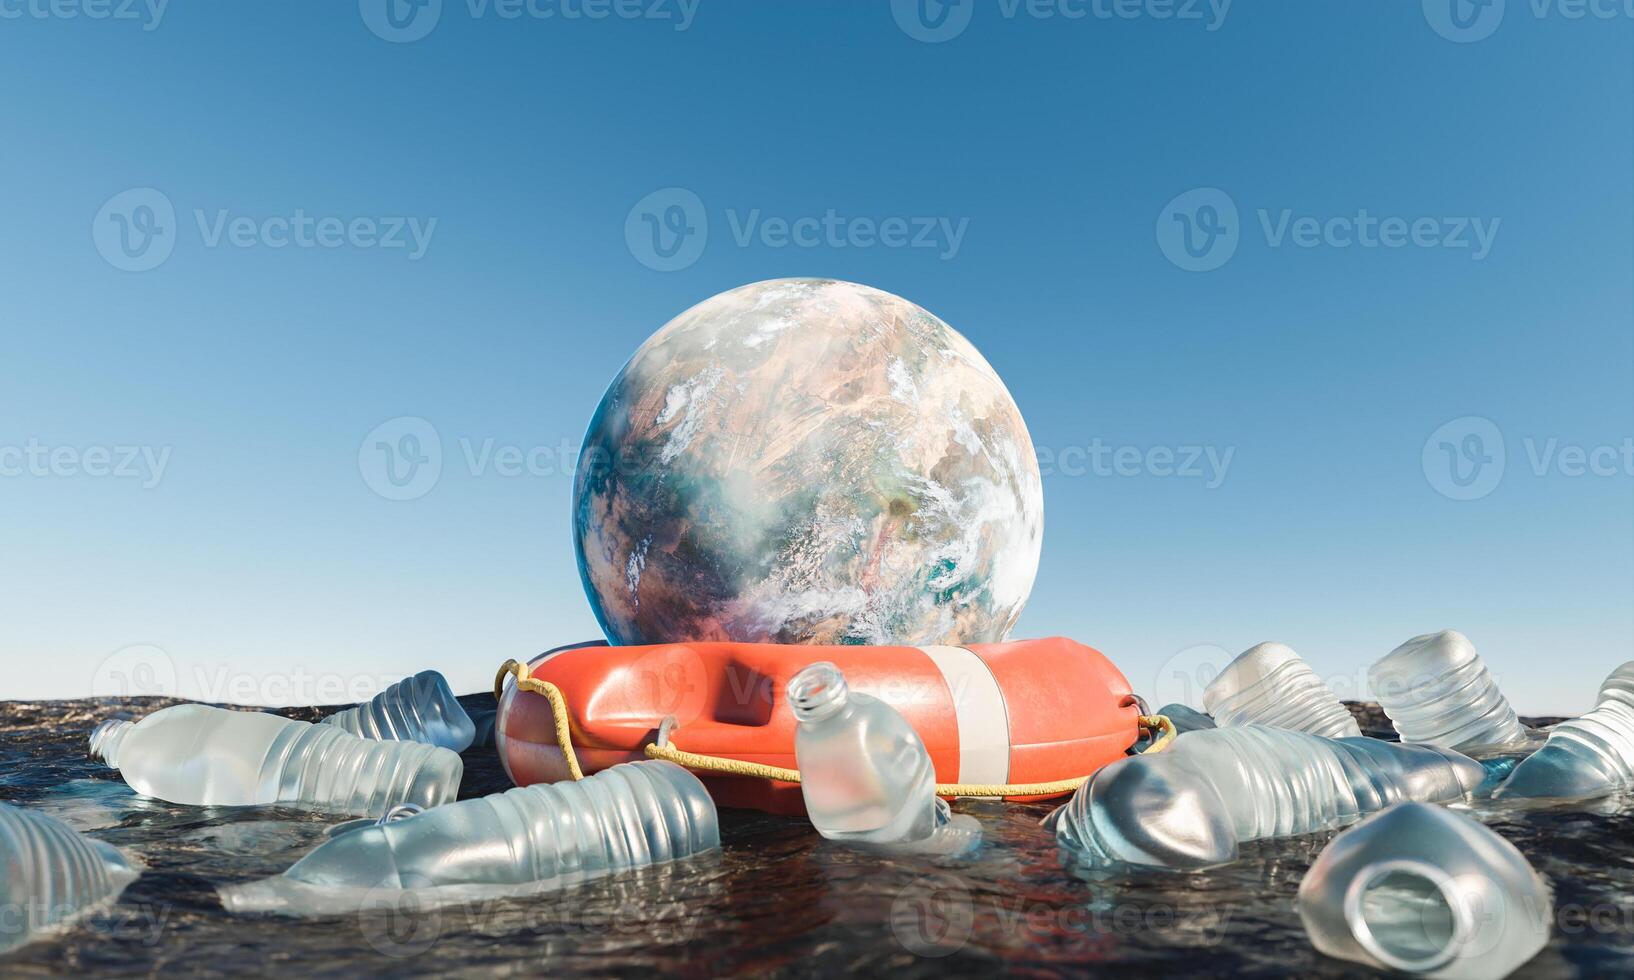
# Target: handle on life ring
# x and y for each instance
(1162, 730)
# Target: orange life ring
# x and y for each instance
(1021, 712)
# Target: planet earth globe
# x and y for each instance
(807, 461)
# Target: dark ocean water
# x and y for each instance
(776, 899)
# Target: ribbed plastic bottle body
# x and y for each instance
(1436, 689)
(203, 756)
(1270, 685)
(1589, 756)
(864, 773)
(1192, 806)
(626, 816)
(421, 708)
(51, 874)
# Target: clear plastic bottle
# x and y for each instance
(203, 756)
(1584, 757)
(415, 709)
(51, 874)
(1420, 889)
(528, 839)
(1436, 689)
(1270, 685)
(1191, 806)
(864, 772)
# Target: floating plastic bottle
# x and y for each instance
(1423, 890)
(1270, 685)
(864, 773)
(1436, 689)
(1584, 757)
(51, 874)
(1191, 806)
(416, 709)
(203, 756)
(523, 840)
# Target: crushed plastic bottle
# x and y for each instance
(1191, 806)
(1436, 689)
(1422, 890)
(203, 756)
(521, 841)
(51, 874)
(416, 709)
(1584, 757)
(864, 772)
(1270, 685)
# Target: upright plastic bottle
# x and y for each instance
(1436, 689)
(1191, 806)
(415, 709)
(1584, 757)
(522, 840)
(203, 756)
(1270, 685)
(864, 773)
(51, 874)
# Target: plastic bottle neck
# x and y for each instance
(817, 693)
(106, 739)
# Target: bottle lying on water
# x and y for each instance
(416, 709)
(1191, 806)
(1584, 757)
(51, 874)
(864, 771)
(203, 756)
(523, 840)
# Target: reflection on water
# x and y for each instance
(777, 899)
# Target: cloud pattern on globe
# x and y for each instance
(807, 461)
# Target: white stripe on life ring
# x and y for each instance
(984, 721)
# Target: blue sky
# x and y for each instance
(1354, 248)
